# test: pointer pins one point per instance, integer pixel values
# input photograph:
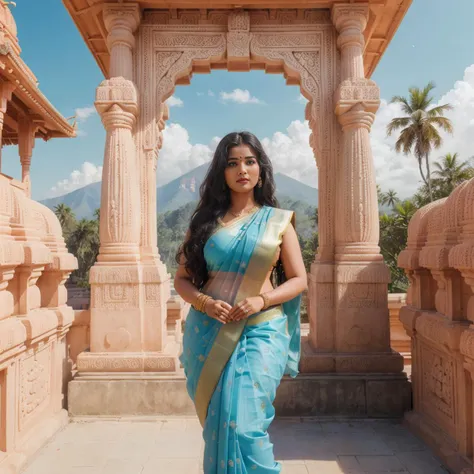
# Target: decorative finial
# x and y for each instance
(74, 123)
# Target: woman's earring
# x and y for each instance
(260, 183)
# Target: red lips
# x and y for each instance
(243, 180)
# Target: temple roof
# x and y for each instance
(385, 18)
(27, 100)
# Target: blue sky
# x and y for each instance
(433, 43)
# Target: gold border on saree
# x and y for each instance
(263, 316)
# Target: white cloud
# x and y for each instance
(239, 96)
(200, 94)
(291, 154)
(174, 101)
(83, 113)
(178, 155)
(87, 174)
(210, 93)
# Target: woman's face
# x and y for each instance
(242, 171)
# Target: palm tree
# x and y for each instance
(419, 128)
(404, 211)
(390, 198)
(450, 172)
(97, 214)
(66, 218)
(84, 244)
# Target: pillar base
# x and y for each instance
(313, 362)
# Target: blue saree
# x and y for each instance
(233, 370)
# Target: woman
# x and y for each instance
(241, 334)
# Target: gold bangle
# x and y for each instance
(204, 302)
(266, 300)
(197, 303)
(200, 302)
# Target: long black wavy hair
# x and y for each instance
(215, 202)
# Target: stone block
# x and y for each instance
(365, 395)
(106, 395)
(387, 398)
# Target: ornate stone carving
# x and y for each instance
(131, 362)
(121, 21)
(238, 41)
(114, 296)
(35, 385)
(438, 382)
(116, 91)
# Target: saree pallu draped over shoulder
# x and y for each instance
(233, 370)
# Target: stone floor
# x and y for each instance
(174, 446)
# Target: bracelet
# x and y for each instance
(266, 300)
(200, 302)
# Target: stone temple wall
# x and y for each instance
(34, 320)
(438, 316)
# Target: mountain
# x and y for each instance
(83, 201)
(179, 192)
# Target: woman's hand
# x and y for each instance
(218, 309)
(246, 308)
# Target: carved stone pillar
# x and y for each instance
(6, 89)
(116, 102)
(126, 337)
(26, 142)
(362, 317)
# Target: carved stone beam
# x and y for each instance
(238, 41)
(121, 21)
(350, 21)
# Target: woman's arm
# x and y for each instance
(183, 281)
(184, 286)
(297, 280)
(295, 271)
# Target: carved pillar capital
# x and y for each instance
(117, 103)
(357, 101)
(238, 41)
(350, 21)
(121, 21)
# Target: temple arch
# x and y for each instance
(169, 53)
